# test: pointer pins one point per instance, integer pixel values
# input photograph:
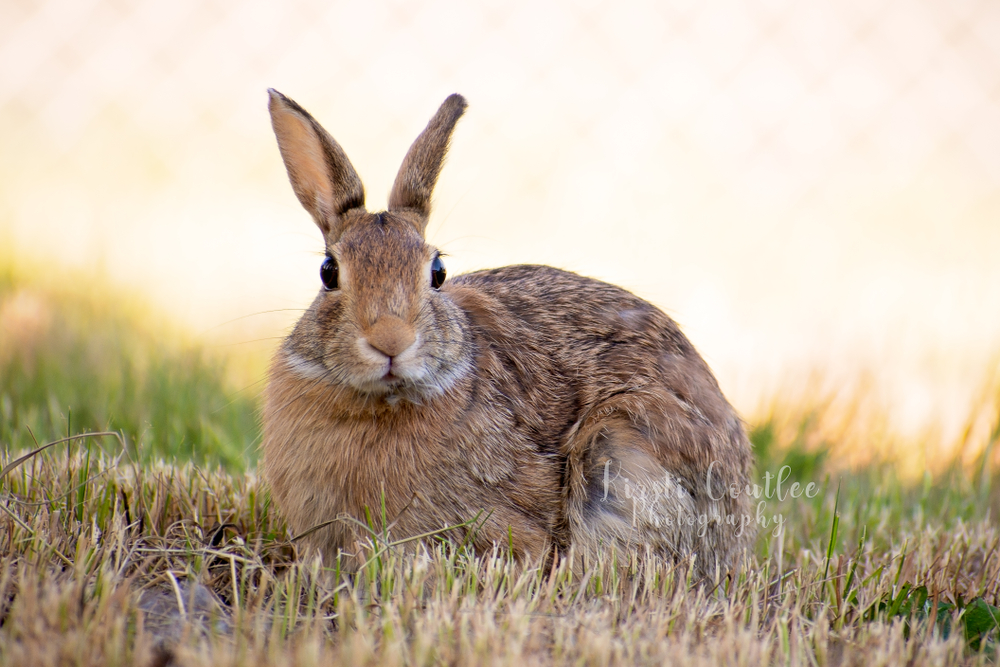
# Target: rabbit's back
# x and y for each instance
(592, 339)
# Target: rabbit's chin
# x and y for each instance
(414, 383)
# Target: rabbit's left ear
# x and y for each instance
(321, 175)
(422, 164)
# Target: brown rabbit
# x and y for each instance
(565, 411)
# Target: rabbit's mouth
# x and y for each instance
(391, 380)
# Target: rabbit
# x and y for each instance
(566, 413)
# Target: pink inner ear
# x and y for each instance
(305, 162)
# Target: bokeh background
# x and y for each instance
(811, 189)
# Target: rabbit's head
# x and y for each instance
(380, 326)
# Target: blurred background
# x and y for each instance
(812, 190)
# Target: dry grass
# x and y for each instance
(95, 554)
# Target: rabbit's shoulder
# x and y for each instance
(571, 309)
(584, 333)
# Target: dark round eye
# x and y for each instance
(329, 273)
(437, 273)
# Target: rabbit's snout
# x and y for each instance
(390, 335)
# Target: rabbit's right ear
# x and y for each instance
(422, 164)
(321, 175)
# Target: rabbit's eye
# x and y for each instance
(437, 273)
(328, 273)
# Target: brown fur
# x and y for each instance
(569, 411)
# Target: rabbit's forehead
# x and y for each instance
(383, 246)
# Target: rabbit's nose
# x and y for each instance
(391, 336)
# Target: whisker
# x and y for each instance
(262, 312)
(247, 342)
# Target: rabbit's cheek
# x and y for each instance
(305, 368)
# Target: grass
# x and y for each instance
(76, 356)
(160, 545)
